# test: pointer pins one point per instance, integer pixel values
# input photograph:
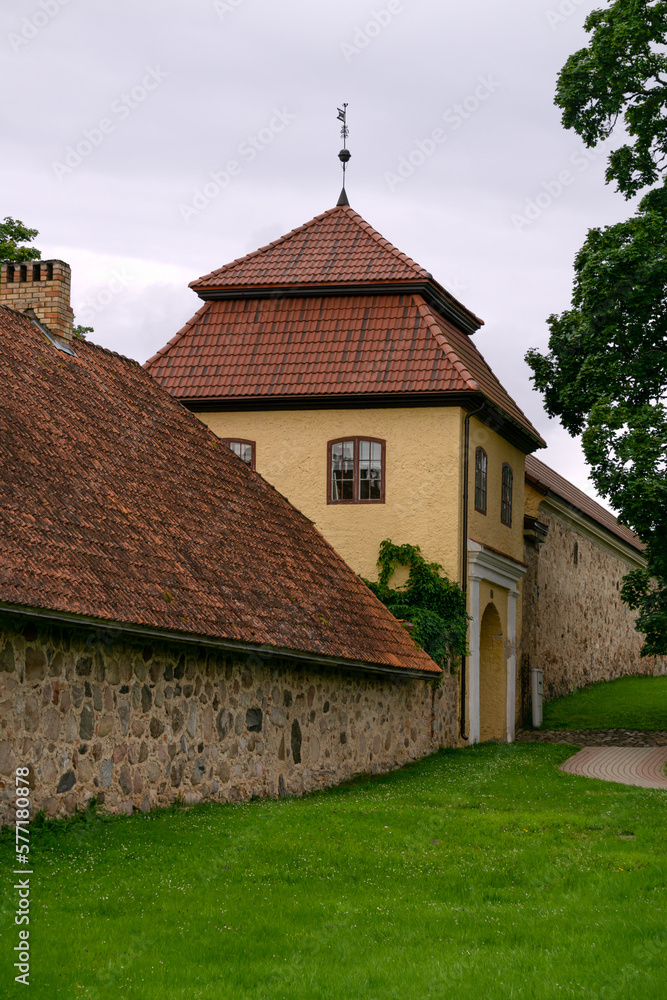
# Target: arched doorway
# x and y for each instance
(492, 677)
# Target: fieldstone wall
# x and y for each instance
(576, 628)
(139, 726)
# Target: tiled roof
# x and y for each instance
(337, 247)
(325, 346)
(331, 309)
(550, 481)
(460, 345)
(117, 504)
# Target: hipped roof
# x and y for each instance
(330, 311)
(336, 248)
(118, 505)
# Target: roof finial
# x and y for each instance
(344, 154)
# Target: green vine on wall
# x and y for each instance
(430, 601)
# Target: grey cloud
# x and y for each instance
(226, 70)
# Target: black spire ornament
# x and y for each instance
(344, 154)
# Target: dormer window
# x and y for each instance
(244, 449)
(480, 480)
(356, 470)
(506, 496)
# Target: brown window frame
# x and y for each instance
(355, 481)
(236, 440)
(479, 488)
(506, 503)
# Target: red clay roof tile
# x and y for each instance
(550, 481)
(365, 344)
(335, 247)
(117, 504)
(330, 309)
(336, 250)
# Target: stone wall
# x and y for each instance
(141, 725)
(576, 628)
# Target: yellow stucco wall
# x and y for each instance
(533, 499)
(488, 528)
(489, 593)
(423, 482)
(423, 492)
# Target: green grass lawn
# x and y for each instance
(627, 703)
(480, 874)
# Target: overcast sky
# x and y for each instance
(116, 114)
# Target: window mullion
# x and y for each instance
(355, 452)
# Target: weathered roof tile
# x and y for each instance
(117, 504)
(546, 479)
(370, 344)
(332, 308)
(336, 247)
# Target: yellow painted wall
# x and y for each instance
(492, 676)
(423, 481)
(533, 499)
(424, 455)
(488, 528)
(499, 598)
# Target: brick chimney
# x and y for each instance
(41, 286)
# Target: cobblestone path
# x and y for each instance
(595, 737)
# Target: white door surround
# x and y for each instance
(485, 564)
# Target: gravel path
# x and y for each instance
(643, 766)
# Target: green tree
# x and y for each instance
(12, 234)
(605, 374)
(434, 605)
(81, 331)
(621, 76)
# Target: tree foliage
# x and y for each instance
(435, 606)
(81, 331)
(621, 76)
(612, 344)
(13, 233)
(605, 374)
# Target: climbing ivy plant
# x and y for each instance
(434, 604)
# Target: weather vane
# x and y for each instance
(344, 154)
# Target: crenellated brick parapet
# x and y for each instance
(42, 288)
